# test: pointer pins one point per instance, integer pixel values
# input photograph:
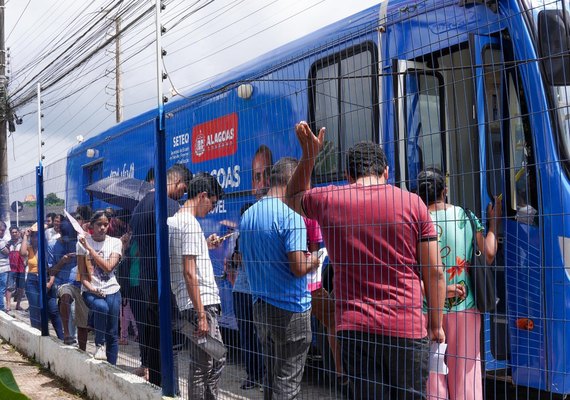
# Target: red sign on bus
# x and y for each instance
(215, 138)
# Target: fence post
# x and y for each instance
(42, 270)
(162, 257)
(42, 265)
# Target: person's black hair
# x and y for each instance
(282, 171)
(67, 230)
(180, 171)
(60, 216)
(431, 183)
(365, 159)
(98, 214)
(84, 212)
(12, 228)
(205, 182)
(263, 149)
(50, 215)
(150, 175)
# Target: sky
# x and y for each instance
(200, 45)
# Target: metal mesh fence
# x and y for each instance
(332, 264)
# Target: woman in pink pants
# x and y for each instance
(127, 318)
(461, 319)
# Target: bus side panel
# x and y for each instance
(129, 153)
(226, 132)
(554, 223)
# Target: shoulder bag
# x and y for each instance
(482, 275)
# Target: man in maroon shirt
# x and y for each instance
(382, 244)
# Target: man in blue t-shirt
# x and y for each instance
(273, 241)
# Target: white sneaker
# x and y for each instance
(100, 353)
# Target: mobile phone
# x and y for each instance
(226, 236)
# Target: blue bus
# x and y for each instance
(477, 88)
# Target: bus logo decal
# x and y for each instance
(214, 139)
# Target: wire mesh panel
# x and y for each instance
(344, 261)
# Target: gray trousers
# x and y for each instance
(204, 372)
(285, 337)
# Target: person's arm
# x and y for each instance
(24, 246)
(193, 288)
(84, 273)
(300, 182)
(488, 243)
(54, 270)
(106, 265)
(301, 264)
(433, 278)
(50, 282)
(4, 249)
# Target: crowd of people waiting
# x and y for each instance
(398, 259)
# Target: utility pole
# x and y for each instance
(118, 88)
(4, 191)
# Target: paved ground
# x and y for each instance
(40, 384)
(34, 381)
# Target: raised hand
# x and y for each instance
(310, 144)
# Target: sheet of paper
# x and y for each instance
(437, 358)
(78, 228)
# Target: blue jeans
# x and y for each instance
(106, 322)
(285, 337)
(3, 283)
(33, 295)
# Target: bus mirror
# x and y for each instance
(554, 46)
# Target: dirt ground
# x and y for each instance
(35, 381)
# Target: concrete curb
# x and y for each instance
(98, 379)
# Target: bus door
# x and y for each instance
(507, 172)
(420, 121)
(92, 173)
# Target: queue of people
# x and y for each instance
(400, 280)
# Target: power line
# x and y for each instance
(19, 18)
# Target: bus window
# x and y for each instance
(425, 144)
(523, 191)
(493, 65)
(344, 100)
(327, 114)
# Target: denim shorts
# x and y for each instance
(16, 280)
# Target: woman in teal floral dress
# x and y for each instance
(461, 320)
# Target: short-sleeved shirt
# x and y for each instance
(100, 279)
(314, 236)
(55, 251)
(269, 230)
(17, 263)
(456, 249)
(4, 258)
(186, 238)
(143, 226)
(372, 235)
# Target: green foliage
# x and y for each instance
(8, 387)
(52, 200)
